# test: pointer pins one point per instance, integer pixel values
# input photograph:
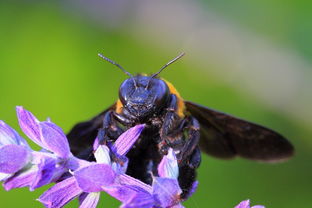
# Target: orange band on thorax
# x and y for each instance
(181, 105)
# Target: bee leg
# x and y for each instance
(103, 132)
(168, 135)
(172, 135)
(122, 119)
(110, 130)
(189, 158)
(191, 143)
(187, 177)
(104, 135)
(171, 117)
(195, 159)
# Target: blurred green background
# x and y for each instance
(247, 58)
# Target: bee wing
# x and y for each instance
(225, 136)
(83, 134)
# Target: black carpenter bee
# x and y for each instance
(172, 122)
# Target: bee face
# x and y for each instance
(143, 95)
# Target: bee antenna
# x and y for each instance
(167, 64)
(120, 67)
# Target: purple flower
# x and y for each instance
(13, 158)
(46, 134)
(164, 192)
(61, 193)
(20, 166)
(246, 204)
(85, 184)
(14, 151)
(88, 181)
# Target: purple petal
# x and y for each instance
(45, 173)
(168, 167)
(142, 200)
(192, 190)
(82, 197)
(125, 141)
(61, 193)
(10, 136)
(124, 179)
(29, 124)
(21, 179)
(246, 204)
(243, 204)
(90, 201)
(53, 139)
(121, 193)
(38, 156)
(74, 163)
(13, 158)
(194, 187)
(92, 178)
(126, 187)
(167, 191)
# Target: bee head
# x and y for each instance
(143, 95)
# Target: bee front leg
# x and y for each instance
(124, 120)
(110, 130)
